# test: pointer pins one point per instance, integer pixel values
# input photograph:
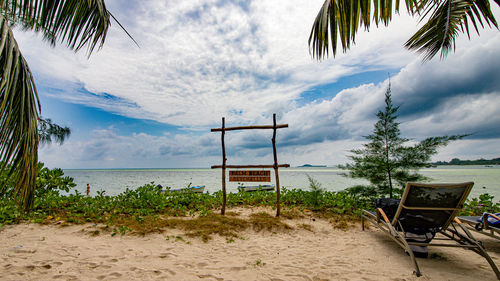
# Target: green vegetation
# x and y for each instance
(341, 19)
(478, 206)
(78, 24)
(456, 161)
(149, 210)
(386, 158)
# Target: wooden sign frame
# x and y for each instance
(275, 166)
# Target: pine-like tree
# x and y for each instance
(386, 159)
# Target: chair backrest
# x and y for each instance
(426, 206)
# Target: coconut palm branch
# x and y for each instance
(78, 23)
(341, 19)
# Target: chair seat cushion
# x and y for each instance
(491, 220)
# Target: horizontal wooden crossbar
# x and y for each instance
(249, 128)
(251, 166)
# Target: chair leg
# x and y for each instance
(412, 257)
(490, 261)
(402, 242)
(480, 250)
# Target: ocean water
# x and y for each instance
(115, 181)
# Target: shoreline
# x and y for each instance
(318, 252)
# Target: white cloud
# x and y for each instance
(212, 58)
(201, 60)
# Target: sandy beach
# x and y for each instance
(47, 252)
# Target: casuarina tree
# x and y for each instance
(387, 161)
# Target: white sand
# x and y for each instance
(37, 252)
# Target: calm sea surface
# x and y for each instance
(114, 181)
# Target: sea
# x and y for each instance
(114, 181)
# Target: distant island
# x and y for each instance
(309, 165)
(456, 161)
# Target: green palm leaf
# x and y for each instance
(78, 23)
(447, 20)
(342, 18)
(18, 116)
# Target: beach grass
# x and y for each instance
(148, 210)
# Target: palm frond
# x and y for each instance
(446, 20)
(19, 106)
(342, 19)
(79, 23)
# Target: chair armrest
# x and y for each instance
(492, 215)
(486, 225)
(384, 216)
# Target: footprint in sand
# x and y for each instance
(237, 268)
(211, 277)
(166, 255)
(93, 264)
(65, 277)
(202, 264)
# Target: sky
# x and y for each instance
(153, 106)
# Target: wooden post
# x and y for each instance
(223, 130)
(223, 210)
(276, 168)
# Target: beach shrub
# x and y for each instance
(316, 194)
(52, 179)
(46, 180)
(148, 209)
(478, 206)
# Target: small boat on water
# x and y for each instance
(195, 189)
(256, 187)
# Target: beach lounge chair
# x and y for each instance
(425, 214)
(487, 224)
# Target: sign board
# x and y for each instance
(249, 176)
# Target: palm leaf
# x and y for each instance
(342, 19)
(19, 107)
(78, 23)
(446, 20)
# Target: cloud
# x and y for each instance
(350, 114)
(242, 60)
(201, 60)
(106, 149)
